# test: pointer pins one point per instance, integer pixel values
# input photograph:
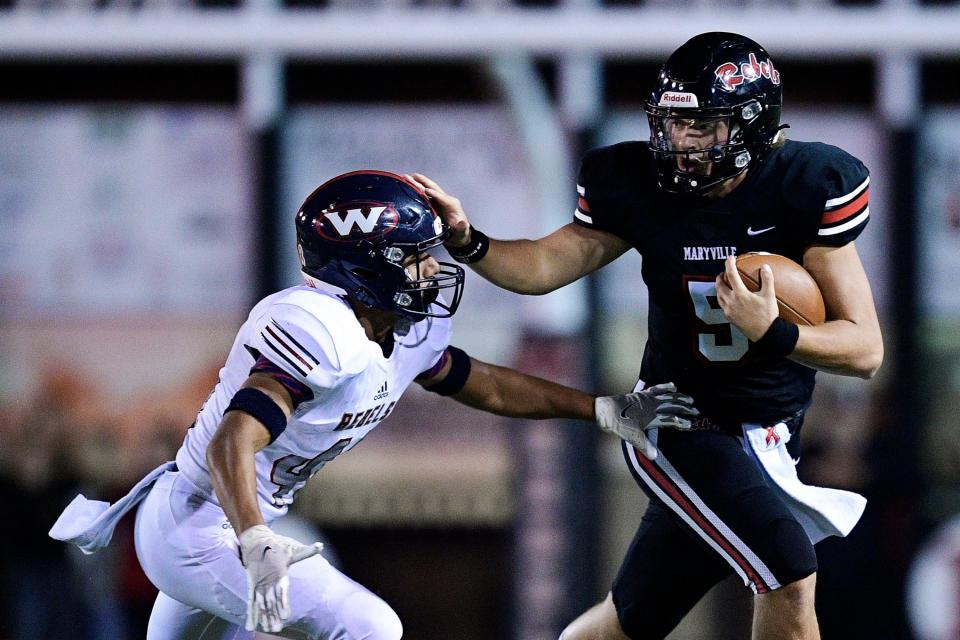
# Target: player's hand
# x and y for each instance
(449, 208)
(628, 416)
(266, 556)
(751, 313)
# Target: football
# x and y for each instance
(798, 295)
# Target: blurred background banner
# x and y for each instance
(154, 153)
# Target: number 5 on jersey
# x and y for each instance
(719, 341)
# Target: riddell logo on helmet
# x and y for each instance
(732, 75)
(357, 220)
(678, 99)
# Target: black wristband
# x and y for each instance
(779, 340)
(474, 250)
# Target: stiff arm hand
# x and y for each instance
(266, 557)
(628, 416)
(449, 209)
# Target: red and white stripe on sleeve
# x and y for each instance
(582, 212)
(846, 212)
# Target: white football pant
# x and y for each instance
(190, 552)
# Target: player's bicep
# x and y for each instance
(573, 251)
(843, 283)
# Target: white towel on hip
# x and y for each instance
(821, 511)
(89, 524)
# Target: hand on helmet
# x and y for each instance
(449, 208)
(628, 416)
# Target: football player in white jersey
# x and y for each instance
(312, 371)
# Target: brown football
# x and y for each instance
(798, 295)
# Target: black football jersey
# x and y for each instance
(803, 194)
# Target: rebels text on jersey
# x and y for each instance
(341, 382)
(803, 194)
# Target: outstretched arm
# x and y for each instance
(528, 266)
(508, 392)
(504, 391)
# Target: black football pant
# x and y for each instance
(711, 512)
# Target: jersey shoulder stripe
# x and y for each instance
(852, 223)
(581, 213)
(828, 186)
(836, 203)
(847, 207)
(846, 212)
(280, 340)
(313, 336)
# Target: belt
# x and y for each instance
(705, 423)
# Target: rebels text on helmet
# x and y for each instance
(731, 75)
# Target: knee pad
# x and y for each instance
(367, 617)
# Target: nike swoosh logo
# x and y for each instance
(623, 412)
(265, 549)
(751, 232)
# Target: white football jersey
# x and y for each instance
(314, 337)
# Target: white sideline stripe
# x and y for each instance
(846, 225)
(749, 556)
(581, 190)
(850, 196)
(632, 453)
(724, 530)
(582, 216)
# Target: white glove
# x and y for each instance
(266, 557)
(628, 416)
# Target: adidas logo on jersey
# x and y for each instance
(382, 392)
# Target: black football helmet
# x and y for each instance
(714, 112)
(358, 233)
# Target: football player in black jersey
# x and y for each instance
(716, 179)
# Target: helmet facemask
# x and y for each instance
(418, 294)
(697, 149)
